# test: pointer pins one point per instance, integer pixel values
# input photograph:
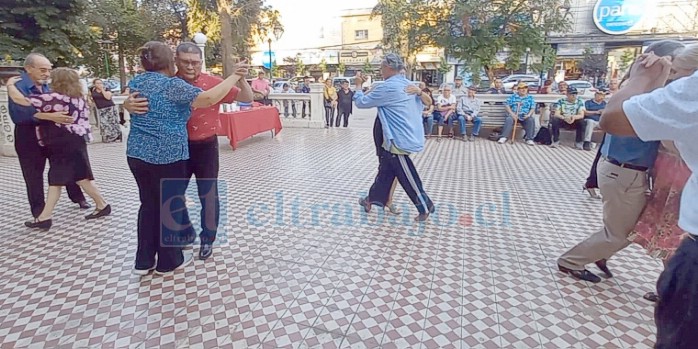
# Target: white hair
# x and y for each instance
(687, 58)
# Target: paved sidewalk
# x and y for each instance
(300, 265)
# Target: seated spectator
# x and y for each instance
(520, 106)
(592, 114)
(428, 112)
(446, 106)
(287, 89)
(459, 90)
(498, 88)
(569, 113)
(469, 110)
(562, 88)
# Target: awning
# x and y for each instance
(427, 66)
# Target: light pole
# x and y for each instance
(105, 45)
(278, 31)
(200, 41)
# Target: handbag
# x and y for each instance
(496, 134)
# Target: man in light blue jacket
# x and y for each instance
(399, 133)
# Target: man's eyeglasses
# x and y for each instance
(187, 63)
(43, 70)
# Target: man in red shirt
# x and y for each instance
(203, 139)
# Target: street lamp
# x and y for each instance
(200, 41)
(105, 45)
(278, 31)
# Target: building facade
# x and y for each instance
(361, 41)
(619, 30)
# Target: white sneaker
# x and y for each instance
(530, 142)
(579, 145)
(143, 272)
(502, 140)
(555, 144)
(188, 258)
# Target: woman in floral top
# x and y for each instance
(66, 144)
(658, 229)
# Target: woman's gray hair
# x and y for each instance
(660, 48)
(687, 58)
(393, 61)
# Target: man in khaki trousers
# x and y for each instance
(622, 177)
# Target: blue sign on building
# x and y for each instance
(266, 59)
(616, 17)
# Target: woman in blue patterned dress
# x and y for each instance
(157, 152)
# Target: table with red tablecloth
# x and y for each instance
(241, 125)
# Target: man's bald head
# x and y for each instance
(38, 68)
(34, 58)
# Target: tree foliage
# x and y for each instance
(54, 28)
(444, 67)
(367, 68)
(234, 25)
(594, 64)
(300, 67)
(290, 65)
(119, 27)
(475, 31)
(406, 28)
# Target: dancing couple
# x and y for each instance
(169, 143)
(398, 132)
(52, 124)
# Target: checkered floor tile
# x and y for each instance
(300, 265)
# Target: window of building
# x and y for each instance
(361, 34)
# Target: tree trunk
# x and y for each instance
(226, 37)
(122, 66)
(489, 72)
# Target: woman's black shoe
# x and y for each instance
(99, 213)
(37, 224)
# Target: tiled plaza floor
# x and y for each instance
(301, 266)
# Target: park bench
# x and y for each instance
(493, 114)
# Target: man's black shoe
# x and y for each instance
(587, 146)
(205, 251)
(365, 204)
(580, 274)
(84, 205)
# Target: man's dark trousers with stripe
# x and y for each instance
(401, 166)
(391, 166)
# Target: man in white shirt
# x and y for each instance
(446, 106)
(667, 113)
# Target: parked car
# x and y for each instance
(585, 88)
(533, 81)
